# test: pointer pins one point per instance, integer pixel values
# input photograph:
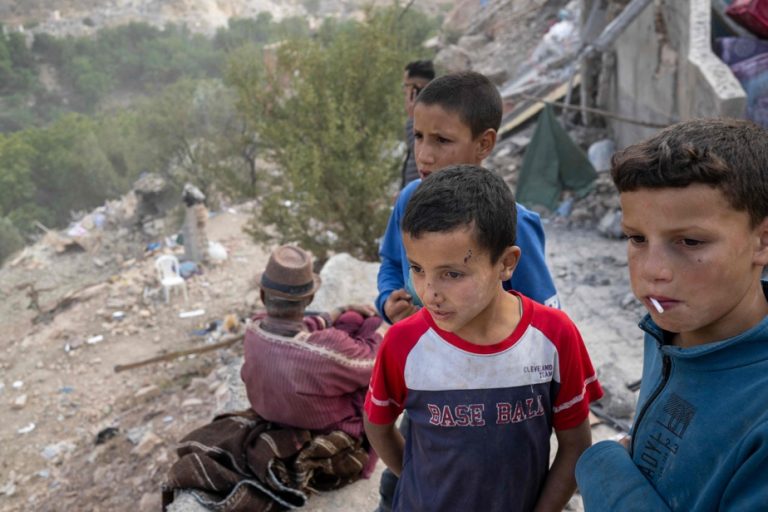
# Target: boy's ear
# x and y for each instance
(509, 260)
(761, 250)
(485, 143)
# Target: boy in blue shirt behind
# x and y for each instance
(456, 119)
(695, 212)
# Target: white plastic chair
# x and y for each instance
(168, 274)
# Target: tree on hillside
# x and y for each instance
(17, 188)
(328, 111)
(196, 135)
(10, 239)
(69, 168)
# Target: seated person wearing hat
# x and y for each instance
(309, 372)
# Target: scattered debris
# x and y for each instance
(106, 434)
(181, 353)
(26, 429)
(95, 339)
(53, 451)
(600, 153)
(19, 402)
(192, 314)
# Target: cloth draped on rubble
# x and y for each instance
(748, 60)
(552, 162)
(241, 462)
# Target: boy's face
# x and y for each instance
(455, 279)
(411, 87)
(699, 258)
(441, 139)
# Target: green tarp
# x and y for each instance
(552, 162)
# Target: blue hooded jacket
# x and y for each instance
(531, 277)
(700, 437)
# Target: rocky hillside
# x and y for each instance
(82, 17)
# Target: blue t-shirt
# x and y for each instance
(531, 277)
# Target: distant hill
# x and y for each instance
(81, 17)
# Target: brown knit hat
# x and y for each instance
(289, 273)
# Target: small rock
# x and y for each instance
(191, 402)
(150, 501)
(148, 443)
(610, 225)
(53, 451)
(198, 386)
(8, 489)
(147, 393)
(17, 384)
(19, 402)
(162, 456)
(135, 434)
(100, 473)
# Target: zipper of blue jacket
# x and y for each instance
(666, 369)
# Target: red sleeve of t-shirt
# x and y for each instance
(578, 381)
(387, 390)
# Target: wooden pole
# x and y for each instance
(597, 111)
(180, 353)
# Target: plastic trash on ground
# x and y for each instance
(216, 251)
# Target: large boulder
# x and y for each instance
(461, 16)
(346, 280)
(453, 58)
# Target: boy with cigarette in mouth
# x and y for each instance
(695, 213)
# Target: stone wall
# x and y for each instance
(666, 71)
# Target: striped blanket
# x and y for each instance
(242, 462)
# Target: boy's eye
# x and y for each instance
(453, 275)
(690, 242)
(417, 135)
(442, 140)
(634, 239)
(416, 269)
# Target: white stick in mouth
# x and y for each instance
(656, 305)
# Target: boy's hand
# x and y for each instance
(561, 480)
(364, 309)
(410, 99)
(623, 439)
(399, 306)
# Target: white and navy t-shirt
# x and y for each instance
(480, 416)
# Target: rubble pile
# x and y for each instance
(600, 204)
(496, 39)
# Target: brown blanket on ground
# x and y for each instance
(242, 462)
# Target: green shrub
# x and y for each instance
(10, 239)
(329, 113)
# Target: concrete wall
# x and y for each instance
(666, 71)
